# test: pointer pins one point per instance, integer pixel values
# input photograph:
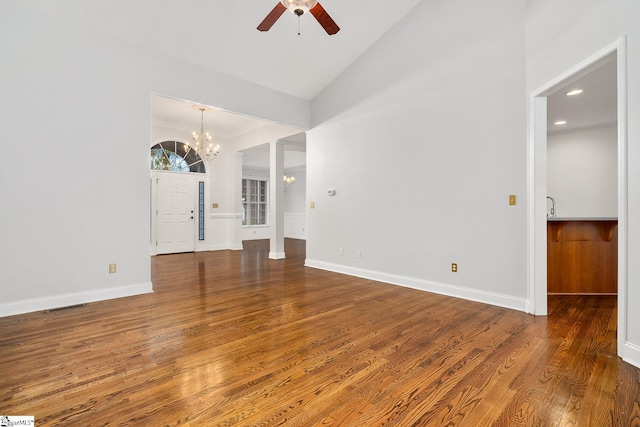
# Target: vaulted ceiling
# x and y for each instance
(222, 35)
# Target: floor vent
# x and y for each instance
(52, 310)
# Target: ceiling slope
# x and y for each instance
(222, 35)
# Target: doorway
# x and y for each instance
(537, 212)
(582, 196)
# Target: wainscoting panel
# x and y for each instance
(294, 225)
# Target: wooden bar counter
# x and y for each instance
(582, 255)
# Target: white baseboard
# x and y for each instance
(299, 236)
(225, 247)
(277, 255)
(529, 307)
(492, 298)
(217, 247)
(57, 301)
(631, 354)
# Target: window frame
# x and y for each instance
(248, 206)
(173, 155)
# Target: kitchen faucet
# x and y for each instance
(552, 213)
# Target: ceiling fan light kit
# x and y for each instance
(299, 8)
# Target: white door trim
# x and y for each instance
(537, 167)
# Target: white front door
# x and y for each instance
(176, 212)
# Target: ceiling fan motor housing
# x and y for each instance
(299, 7)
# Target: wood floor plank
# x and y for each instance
(232, 338)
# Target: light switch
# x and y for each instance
(512, 199)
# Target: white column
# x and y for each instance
(276, 200)
(236, 196)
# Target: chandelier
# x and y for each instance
(287, 181)
(203, 140)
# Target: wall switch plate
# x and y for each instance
(512, 200)
(312, 205)
(112, 268)
(454, 267)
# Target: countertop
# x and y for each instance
(599, 218)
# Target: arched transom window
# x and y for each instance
(176, 156)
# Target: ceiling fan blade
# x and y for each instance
(272, 17)
(324, 19)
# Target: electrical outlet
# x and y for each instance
(358, 253)
(454, 267)
(112, 268)
(340, 251)
(214, 205)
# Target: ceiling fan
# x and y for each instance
(299, 7)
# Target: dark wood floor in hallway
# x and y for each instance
(231, 338)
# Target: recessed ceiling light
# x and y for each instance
(574, 92)
(560, 122)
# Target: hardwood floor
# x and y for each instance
(230, 338)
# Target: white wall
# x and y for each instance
(556, 44)
(423, 146)
(582, 172)
(295, 204)
(295, 196)
(81, 201)
(222, 173)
